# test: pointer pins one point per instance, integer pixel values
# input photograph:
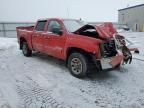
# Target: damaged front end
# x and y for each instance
(121, 45)
(113, 49)
(114, 52)
(111, 56)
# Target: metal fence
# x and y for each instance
(8, 29)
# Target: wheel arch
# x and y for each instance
(71, 50)
(22, 39)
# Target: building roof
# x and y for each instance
(131, 7)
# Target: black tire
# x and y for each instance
(80, 62)
(25, 49)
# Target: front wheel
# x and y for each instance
(25, 49)
(78, 65)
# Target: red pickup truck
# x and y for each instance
(81, 45)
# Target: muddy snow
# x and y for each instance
(41, 81)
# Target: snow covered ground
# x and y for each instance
(41, 81)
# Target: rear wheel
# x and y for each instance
(26, 51)
(78, 65)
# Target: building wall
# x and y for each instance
(8, 29)
(132, 17)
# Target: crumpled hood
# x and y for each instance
(105, 30)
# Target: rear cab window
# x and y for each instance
(41, 25)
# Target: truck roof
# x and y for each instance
(57, 18)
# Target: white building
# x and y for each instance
(133, 17)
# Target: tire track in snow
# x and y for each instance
(34, 96)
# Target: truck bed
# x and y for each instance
(25, 32)
(28, 28)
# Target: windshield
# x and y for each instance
(73, 25)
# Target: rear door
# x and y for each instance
(37, 38)
(54, 42)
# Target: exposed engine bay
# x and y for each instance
(108, 49)
(90, 31)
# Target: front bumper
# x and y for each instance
(111, 62)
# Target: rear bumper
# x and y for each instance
(111, 62)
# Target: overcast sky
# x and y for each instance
(88, 10)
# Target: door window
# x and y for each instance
(53, 25)
(41, 25)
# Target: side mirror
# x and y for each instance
(57, 31)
